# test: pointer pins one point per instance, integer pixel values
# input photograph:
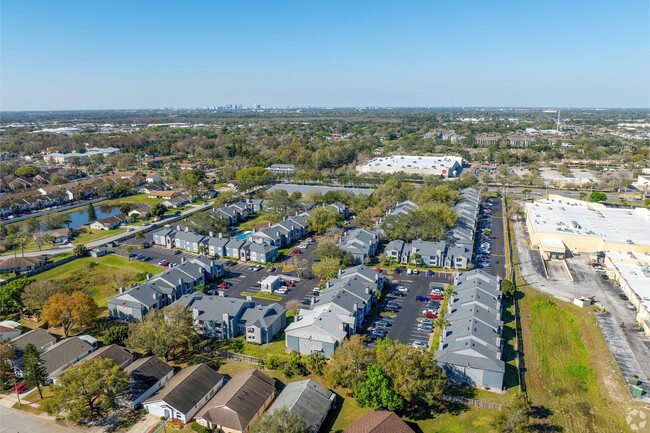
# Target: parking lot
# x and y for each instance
(491, 251)
(404, 326)
(239, 275)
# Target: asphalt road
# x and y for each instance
(15, 421)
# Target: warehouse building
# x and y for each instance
(559, 225)
(445, 166)
(631, 272)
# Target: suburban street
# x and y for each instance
(16, 421)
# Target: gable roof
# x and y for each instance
(307, 399)
(379, 421)
(237, 403)
(144, 373)
(20, 262)
(117, 353)
(188, 387)
(39, 337)
(64, 352)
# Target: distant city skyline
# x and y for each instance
(76, 55)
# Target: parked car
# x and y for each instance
(271, 269)
(605, 277)
(378, 270)
(383, 322)
(306, 301)
(20, 388)
(390, 309)
(281, 291)
(402, 289)
(436, 297)
(420, 298)
(430, 315)
(145, 245)
(296, 251)
(419, 344)
(222, 286)
(393, 305)
(400, 294)
(429, 272)
(289, 283)
(623, 297)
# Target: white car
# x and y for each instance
(281, 291)
(402, 289)
(419, 344)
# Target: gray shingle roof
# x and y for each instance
(39, 337)
(144, 373)
(64, 352)
(307, 399)
(187, 387)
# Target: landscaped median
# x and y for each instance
(262, 295)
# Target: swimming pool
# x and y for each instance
(243, 236)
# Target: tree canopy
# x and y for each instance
(68, 310)
(428, 223)
(322, 218)
(281, 420)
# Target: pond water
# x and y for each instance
(80, 217)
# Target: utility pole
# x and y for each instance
(16, 391)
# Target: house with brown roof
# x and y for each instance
(379, 421)
(239, 402)
(21, 264)
(185, 393)
(111, 222)
(163, 194)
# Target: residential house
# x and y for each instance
(402, 208)
(177, 202)
(352, 294)
(141, 211)
(61, 236)
(122, 356)
(111, 222)
(239, 402)
(379, 421)
(64, 353)
(39, 337)
(9, 330)
(310, 401)
(396, 251)
(217, 246)
(99, 251)
(163, 194)
(264, 322)
(21, 264)
(185, 393)
(146, 376)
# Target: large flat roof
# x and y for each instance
(614, 225)
(304, 189)
(630, 266)
(414, 162)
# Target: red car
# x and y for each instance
(289, 284)
(296, 252)
(436, 297)
(430, 315)
(20, 388)
(378, 270)
(222, 286)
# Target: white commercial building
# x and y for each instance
(64, 158)
(445, 166)
(631, 272)
(587, 227)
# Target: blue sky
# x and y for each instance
(147, 54)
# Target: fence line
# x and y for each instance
(472, 402)
(234, 356)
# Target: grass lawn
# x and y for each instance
(262, 296)
(102, 280)
(26, 408)
(569, 371)
(262, 218)
(239, 345)
(91, 235)
(33, 396)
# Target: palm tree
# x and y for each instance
(202, 249)
(440, 323)
(449, 291)
(415, 258)
(128, 251)
(138, 235)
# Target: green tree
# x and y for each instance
(34, 369)
(582, 195)
(348, 365)
(10, 295)
(508, 289)
(596, 197)
(158, 209)
(7, 354)
(88, 389)
(376, 391)
(138, 236)
(322, 218)
(79, 250)
(326, 268)
(125, 208)
(26, 171)
(128, 250)
(281, 420)
(21, 239)
(515, 417)
(55, 221)
(327, 249)
(116, 335)
(163, 331)
(92, 215)
(68, 310)
(315, 362)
